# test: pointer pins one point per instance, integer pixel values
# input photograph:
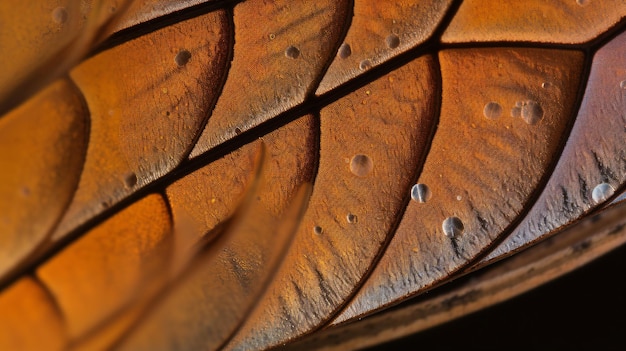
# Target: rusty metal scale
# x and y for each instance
(243, 175)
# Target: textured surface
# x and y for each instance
(134, 215)
(359, 191)
(40, 168)
(275, 66)
(593, 161)
(144, 121)
(379, 31)
(559, 21)
(481, 168)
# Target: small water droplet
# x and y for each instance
(182, 58)
(531, 112)
(317, 230)
(130, 180)
(272, 36)
(492, 110)
(622, 84)
(546, 85)
(292, 52)
(365, 64)
(361, 165)
(421, 193)
(392, 41)
(452, 227)
(59, 15)
(602, 192)
(344, 51)
(351, 218)
(459, 198)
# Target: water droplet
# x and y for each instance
(546, 85)
(492, 110)
(459, 198)
(317, 230)
(182, 58)
(421, 193)
(292, 52)
(351, 218)
(602, 192)
(344, 51)
(622, 84)
(531, 112)
(59, 15)
(272, 36)
(452, 227)
(392, 41)
(130, 180)
(365, 64)
(361, 165)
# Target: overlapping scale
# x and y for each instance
(380, 30)
(148, 100)
(275, 66)
(371, 148)
(593, 163)
(498, 134)
(42, 150)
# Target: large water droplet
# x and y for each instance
(492, 110)
(452, 227)
(317, 230)
(531, 112)
(361, 165)
(622, 84)
(182, 58)
(421, 193)
(392, 41)
(344, 51)
(602, 192)
(351, 218)
(292, 52)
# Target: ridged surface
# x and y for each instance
(432, 132)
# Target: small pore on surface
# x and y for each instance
(182, 58)
(344, 51)
(292, 52)
(351, 218)
(365, 64)
(130, 180)
(392, 41)
(492, 110)
(59, 15)
(361, 165)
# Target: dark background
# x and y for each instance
(583, 310)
